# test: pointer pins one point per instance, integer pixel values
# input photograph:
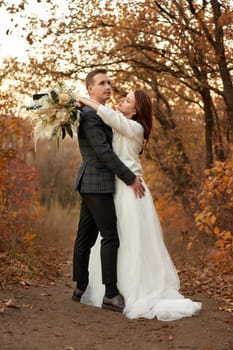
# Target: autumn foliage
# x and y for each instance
(19, 205)
(20, 209)
(216, 204)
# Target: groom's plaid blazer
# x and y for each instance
(99, 163)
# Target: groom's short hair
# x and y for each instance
(92, 74)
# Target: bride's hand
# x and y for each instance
(79, 102)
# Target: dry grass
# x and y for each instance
(59, 227)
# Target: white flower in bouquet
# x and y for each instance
(63, 116)
(54, 113)
(64, 99)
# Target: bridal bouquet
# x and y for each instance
(54, 113)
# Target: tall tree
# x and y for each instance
(180, 50)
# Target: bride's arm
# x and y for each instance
(119, 122)
(114, 119)
(88, 102)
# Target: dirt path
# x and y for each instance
(45, 318)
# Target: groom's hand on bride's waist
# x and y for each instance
(138, 187)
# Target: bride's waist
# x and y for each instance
(133, 165)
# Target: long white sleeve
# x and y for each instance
(116, 120)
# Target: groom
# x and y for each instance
(96, 184)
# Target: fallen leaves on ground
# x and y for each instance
(199, 271)
(208, 275)
(29, 266)
(8, 303)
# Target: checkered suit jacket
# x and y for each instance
(99, 163)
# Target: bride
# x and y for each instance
(147, 278)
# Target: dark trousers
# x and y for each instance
(97, 215)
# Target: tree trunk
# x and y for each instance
(172, 158)
(209, 122)
(223, 67)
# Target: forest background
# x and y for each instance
(180, 52)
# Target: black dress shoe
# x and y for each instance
(115, 304)
(77, 294)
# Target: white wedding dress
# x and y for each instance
(147, 277)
